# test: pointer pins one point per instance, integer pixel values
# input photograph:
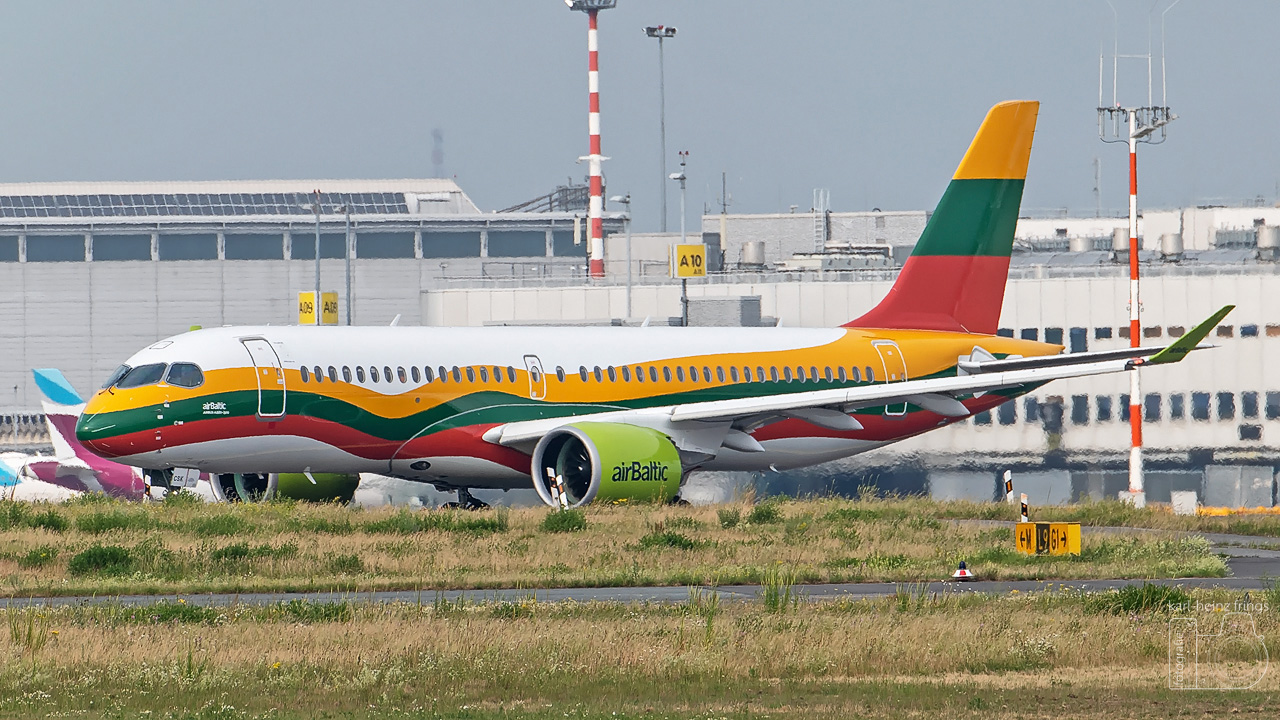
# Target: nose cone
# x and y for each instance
(94, 427)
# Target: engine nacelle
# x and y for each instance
(605, 461)
(313, 487)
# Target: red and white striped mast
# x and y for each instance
(1142, 126)
(595, 210)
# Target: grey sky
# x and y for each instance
(873, 101)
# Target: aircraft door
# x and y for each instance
(270, 374)
(537, 378)
(895, 370)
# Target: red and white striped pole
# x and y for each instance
(595, 211)
(1137, 494)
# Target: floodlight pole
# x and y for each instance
(315, 300)
(626, 200)
(662, 32)
(347, 208)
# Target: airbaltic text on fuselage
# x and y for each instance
(216, 408)
(641, 472)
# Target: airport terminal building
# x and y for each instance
(92, 272)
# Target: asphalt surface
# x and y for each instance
(1253, 561)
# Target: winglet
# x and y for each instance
(1188, 342)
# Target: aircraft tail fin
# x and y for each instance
(62, 408)
(955, 277)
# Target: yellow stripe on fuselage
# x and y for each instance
(925, 353)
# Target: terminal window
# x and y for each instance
(1226, 331)
(1200, 406)
(302, 246)
(1104, 408)
(449, 244)
(1249, 405)
(1079, 409)
(1250, 432)
(1151, 406)
(255, 247)
(1176, 331)
(1124, 408)
(1226, 406)
(517, 243)
(1154, 331)
(9, 248)
(1123, 331)
(1031, 409)
(1079, 340)
(386, 245)
(1005, 332)
(1053, 335)
(1102, 333)
(1273, 331)
(197, 246)
(562, 245)
(121, 247)
(1248, 331)
(1177, 406)
(1273, 405)
(1030, 333)
(1007, 413)
(55, 248)
(982, 418)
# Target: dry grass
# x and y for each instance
(168, 548)
(1012, 656)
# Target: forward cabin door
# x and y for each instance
(537, 378)
(270, 376)
(895, 370)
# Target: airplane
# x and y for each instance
(15, 485)
(611, 414)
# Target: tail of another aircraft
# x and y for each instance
(955, 278)
(62, 408)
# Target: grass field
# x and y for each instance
(94, 546)
(1047, 654)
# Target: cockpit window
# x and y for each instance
(142, 375)
(187, 375)
(115, 376)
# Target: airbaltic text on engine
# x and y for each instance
(640, 472)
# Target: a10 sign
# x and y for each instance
(689, 260)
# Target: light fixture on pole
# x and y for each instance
(314, 206)
(684, 282)
(662, 32)
(626, 200)
(346, 209)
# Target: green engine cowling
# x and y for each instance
(609, 462)
(252, 487)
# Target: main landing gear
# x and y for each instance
(466, 501)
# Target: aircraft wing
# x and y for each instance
(830, 408)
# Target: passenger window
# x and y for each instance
(871, 374)
(442, 373)
(402, 375)
(639, 373)
(471, 374)
(427, 374)
(680, 373)
(497, 373)
(560, 373)
(706, 373)
(511, 374)
(373, 374)
(840, 374)
(613, 374)
(720, 373)
(598, 373)
(386, 372)
(857, 377)
(733, 373)
(346, 373)
(333, 374)
(319, 374)
(800, 374)
(693, 374)
(626, 373)
(484, 374)
(187, 375)
(457, 374)
(653, 373)
(582, 372)
(786, 373)
(360, 373)
(306, 374)
(773, 373)
(666, 373)
(826, 374)
(417, 376)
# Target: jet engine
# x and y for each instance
(576, 464)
